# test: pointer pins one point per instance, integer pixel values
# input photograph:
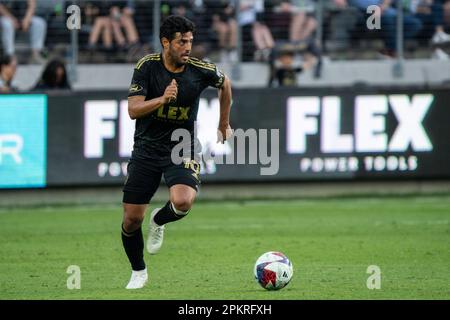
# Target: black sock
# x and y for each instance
(166, 214)
(133, 243)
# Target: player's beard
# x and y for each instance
(176, 58)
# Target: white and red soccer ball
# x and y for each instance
(273, 270)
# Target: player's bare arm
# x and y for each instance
(139, 107)
(225, 98)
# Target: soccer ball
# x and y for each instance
(273, 270)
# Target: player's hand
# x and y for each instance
(224, 131)
(171, 92)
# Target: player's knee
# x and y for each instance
(131, 223)
(182, 203)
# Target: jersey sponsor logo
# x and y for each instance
(173, 113)
(135, 88)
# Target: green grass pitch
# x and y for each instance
(211, 253)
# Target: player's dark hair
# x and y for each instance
(173, 24)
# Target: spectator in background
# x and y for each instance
(431, 13)
(8, 66)
(284, 71)
(446, 8)
(289, 62)
(109, 18)
(101, 27)
(54, 77)
(194, 12)
(15, 17)
(225, 25)
(122, 19)
(54, 13)
(183, 8)
(343, 19)
(303, 24)
(251, 12)
(411, 24)
(97, 13)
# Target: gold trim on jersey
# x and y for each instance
(202, 64)
(149, 57)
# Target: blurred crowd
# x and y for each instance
(54, 76)
(284, 33)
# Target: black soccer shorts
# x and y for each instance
(144, 178)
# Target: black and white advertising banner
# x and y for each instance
(280, 135)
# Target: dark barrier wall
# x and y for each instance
(288, 134)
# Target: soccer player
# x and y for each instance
(164, 96)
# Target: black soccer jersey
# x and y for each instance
(152, 137)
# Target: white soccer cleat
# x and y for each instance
(155, 234)
(138, 279)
